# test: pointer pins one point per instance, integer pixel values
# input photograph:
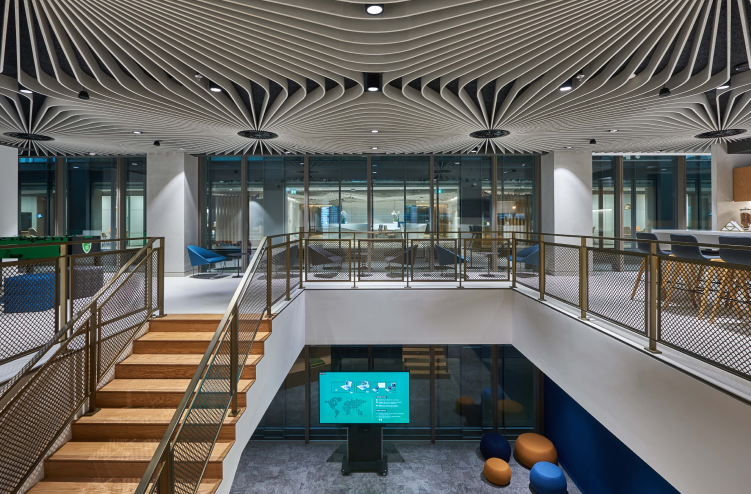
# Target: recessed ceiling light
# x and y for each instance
(374, 9)
(613, 131)
(372, 88)
(373, 148)
(214, 88)
(92, 154)
(566, 86)
(474, 150)
(26, 91)
(724, 86)
(136, 131)
(374, 131)
(569, 147)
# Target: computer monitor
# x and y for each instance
(363, 397)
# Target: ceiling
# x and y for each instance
(448, 68)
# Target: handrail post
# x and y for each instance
(149, 285)
(583, 278)
(289, 240)
(268, 277)
(233, 356)
(301, 259)
(92, 343)
(652, 296)
(542, 267)
(160, 277)
(64, 295)
(165, 477)
(513, 259)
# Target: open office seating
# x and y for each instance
(546, 478)
(201, 257)
(643, 247)
(446, 258)
(733, 282)
(691, 279)
(320, 257)
(406, 258)
(529, 256)
(531, 448)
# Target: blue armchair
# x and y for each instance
(200, 257)
(530, 255)
(446, 257)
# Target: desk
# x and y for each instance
(703, 236)
(239, 256)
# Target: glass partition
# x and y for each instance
(516, 194)
(649, 199)
(463, 190)
(401, 193)
(699, 192)
(36, 196)
(223, 206)
(603, 199)
(337, 198)
(135, 196)
(92, 197)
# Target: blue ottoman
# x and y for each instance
(486, 394)
(546, 478)
(495, 445)
(30, 293)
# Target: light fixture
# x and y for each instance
(664, 92)
(474, 150)
(566, 86)
(569, 147)
(214, 88)
(372, 81)
(137, 132)
(374, 131)
(592, 141)
(83, 94)
(26, 91)
(373, 148)
(613, 131)
(92, 154)
(723, 86)
(375, 9)
(157, 143)
(632, 76)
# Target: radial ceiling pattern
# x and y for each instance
(276, 76)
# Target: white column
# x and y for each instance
(723, 207)
(8, 191)
(172, 206)
(566, 193)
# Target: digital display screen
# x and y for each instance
(364, 397)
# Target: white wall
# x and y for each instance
(723, 207)
(566, 193)
(172, 206)
(696, 437)
(408, 316)
(280, 351)
(9, 191)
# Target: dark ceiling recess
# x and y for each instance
(372, 81)
(489, 134)
(29, 137)
(718, 134)
(257, 134)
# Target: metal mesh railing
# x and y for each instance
(432, 259)
(562, 272)
(527, 259)
(705, 311)
(53, 386)
(376, 260)
(181, 458)
(328, 260)
(617, 288)
(487, 259)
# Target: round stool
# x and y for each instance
(511, 408)
(497, 471)
(531, 448)
(462, 403)
(494, 445)
(546, 478)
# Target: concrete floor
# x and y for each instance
(448, 467)
(198, 296)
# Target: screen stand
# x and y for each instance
(364, 450)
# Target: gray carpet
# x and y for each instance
(450, 467)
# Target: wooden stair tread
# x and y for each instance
(179, 336)
(121, 451)
(140, 416)
(191, 359)
(105, 486)
(158, 385)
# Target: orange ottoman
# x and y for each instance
(462, 403)
(497, 471)
(531, 448)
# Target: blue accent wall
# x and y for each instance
(595, 459)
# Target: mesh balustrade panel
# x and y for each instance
(328, 260)
(278, 271)
(487, 259)
(378, 260)
(528, 264)
(562, 273)
(40, 408)
(89, 273)
(432, 260)
(705, 311)
(30, 297)
(617, 288)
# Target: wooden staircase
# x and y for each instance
(417, 362)
(110, 450)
